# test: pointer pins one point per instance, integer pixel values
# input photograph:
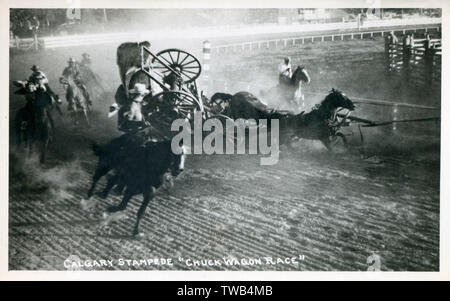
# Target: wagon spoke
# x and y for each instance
(173, 61)
(169, 63)
(189, 71)
(181, 63)
(193, 61)
(172, 58)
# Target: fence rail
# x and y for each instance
(300, 40)
(417, 61)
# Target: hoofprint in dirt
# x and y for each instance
(329, 211)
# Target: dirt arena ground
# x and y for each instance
(329, 211)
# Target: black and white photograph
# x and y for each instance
(167, 137)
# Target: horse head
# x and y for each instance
(300, 75)
(337, 99)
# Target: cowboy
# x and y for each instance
(130, 116)
(40, 85)
(285, 71)
(39, 78)
(72, 71)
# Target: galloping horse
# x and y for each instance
(33, 123)
(76, 99)
(291, 91)
(321, 123)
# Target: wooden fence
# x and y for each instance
(293, 41)
(417, 61)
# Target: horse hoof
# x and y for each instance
(136, 232)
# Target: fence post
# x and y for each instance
(428, 62)
(206, 63)
(390, 43)
(387, 52)
(406, 71)
(394, 117)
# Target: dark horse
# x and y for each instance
(33, 123)
(321, 123)
(289, 90)
(140, 167)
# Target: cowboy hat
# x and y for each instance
(35, 68)
(139, 89)
(71, 60)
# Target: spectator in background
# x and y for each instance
(34, 25)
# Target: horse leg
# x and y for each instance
(44, 145)
(327, 143)
(126, 198)
(120, 185)
(99, 172)
(147, 197)
(111, 182)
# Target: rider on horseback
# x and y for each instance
(37, 86)
(39, 78)
(285, 72)
(72, 71)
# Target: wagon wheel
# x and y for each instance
(183, 103)
(190, 67)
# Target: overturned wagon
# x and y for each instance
(155, 87)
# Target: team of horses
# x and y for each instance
(139, 165)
